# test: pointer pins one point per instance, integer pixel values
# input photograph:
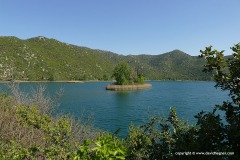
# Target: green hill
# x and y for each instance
(41, 58)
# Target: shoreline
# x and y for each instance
(20, 81)
(74, 81)
(62, 81)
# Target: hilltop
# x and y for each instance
(41, 58)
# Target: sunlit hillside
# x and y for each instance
(41, 58)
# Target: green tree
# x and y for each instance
(122, 73)
(227, 77)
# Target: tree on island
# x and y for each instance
(124, 75)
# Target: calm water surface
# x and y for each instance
(112, 110)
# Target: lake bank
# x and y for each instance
(60, 81)
(20, 81)
(83, 81)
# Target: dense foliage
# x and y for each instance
(28, 131)
(227, 76)
(124, 75)
(41, 58)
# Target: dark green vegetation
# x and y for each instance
(41, 58)
(27, 131)
(124, 75)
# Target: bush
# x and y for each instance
(160, 138)
(28, 131)
(139, 80)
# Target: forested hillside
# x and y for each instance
(41, 58)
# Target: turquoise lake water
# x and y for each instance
(112, 110)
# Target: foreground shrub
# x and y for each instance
(105, 147)
(28, 131)
(160, 138)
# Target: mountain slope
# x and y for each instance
(41, 58)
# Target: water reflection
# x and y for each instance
(122, 98)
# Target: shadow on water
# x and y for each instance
(125, 100)
(122, 98)
(124, 104)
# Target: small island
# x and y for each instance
(127, 79)
(114, 87)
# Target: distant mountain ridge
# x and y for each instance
(41, 58)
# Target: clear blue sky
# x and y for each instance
(126, 26)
